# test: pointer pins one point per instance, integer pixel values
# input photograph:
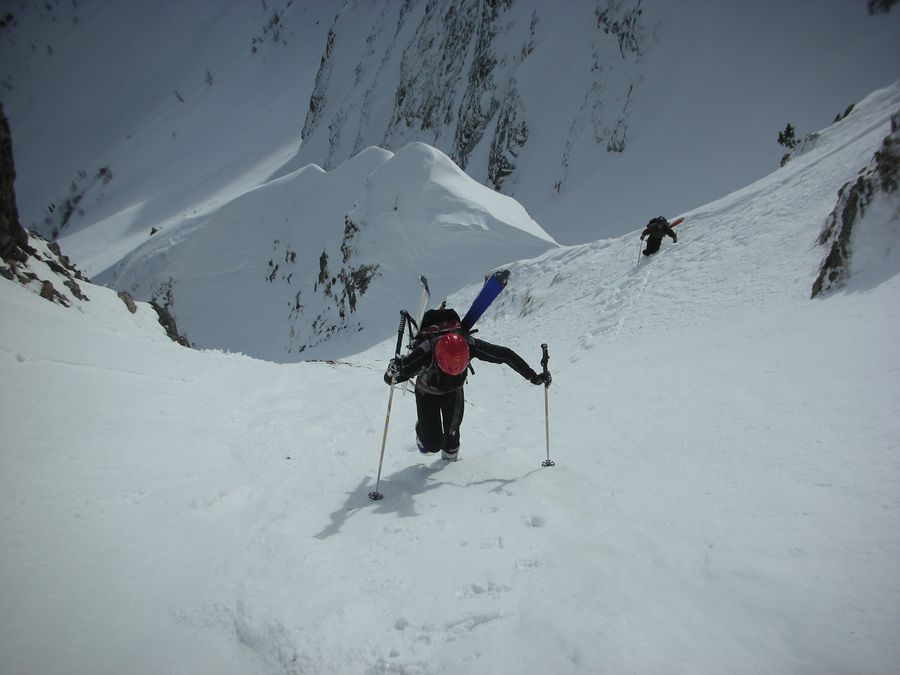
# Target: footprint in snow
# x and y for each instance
(491, 590)
(526, 564)
(533, 521)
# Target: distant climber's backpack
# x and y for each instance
(658, 225)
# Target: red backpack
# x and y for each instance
(449, 346)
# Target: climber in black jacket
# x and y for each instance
(440, 361)
(657, 229)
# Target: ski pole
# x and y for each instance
(375, 495)
(544, 359)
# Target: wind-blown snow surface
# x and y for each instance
(725, 495)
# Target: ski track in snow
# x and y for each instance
(625, 308)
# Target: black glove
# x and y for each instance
(642, 237)
(393, 369)
(542, 378)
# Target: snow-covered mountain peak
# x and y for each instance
(437, 193)
(314, 264)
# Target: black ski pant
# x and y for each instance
(439, 418)
(652, 245)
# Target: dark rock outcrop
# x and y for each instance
(167, 321)
(125, 297)
(14, 246)
(880, 177)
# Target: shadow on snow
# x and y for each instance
(400, 490)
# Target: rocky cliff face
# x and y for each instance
(472, 78)
(339, 285)
(879, 180)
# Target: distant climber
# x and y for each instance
(654, 232)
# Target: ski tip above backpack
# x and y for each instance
(501, 275)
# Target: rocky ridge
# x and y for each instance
(452, 72)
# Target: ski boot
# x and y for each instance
(422, 449)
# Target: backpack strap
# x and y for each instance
(441, 328)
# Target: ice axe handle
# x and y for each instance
(400, 332)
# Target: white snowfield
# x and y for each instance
(725, 497)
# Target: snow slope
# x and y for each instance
(725, 495)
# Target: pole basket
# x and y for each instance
(546, 462)
(376, 496)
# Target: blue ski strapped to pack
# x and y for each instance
(495, 283)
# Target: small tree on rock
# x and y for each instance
(786, 137)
